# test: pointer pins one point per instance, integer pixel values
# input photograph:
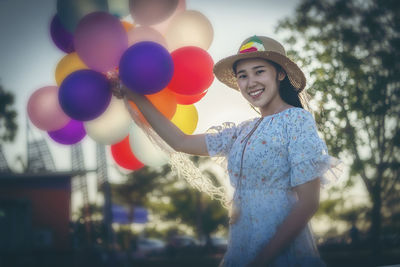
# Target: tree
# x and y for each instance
(134, 192)
(191, 206)
(351, 51)
(8, 115)
(195, 209)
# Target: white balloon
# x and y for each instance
(189, 28)
(112, 126)
(144, 150)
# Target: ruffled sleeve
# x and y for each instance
(219, 139)
(308, 154)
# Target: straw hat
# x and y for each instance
(260, 47)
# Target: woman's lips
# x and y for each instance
(255, 94)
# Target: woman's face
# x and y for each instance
(258, 82)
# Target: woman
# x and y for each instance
(275, 162)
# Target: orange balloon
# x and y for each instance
(164, 101)
(127, 25)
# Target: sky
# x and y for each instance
(28, 60)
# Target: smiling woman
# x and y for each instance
(275, 162)
(258, 81)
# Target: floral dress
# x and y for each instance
(266, 158)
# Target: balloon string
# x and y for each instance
(181, 164)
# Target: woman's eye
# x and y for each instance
(242, 76)
(260, 71)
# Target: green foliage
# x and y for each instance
(138, 185)
(192, 207)
(350, 49)
(171, 199)
(195, 209)
(8, 116)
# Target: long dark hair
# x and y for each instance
(288, 92)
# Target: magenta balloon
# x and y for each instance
(100, 40)
(70, 134)
(62, 38)
(45, 111)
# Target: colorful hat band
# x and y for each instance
(254, 45)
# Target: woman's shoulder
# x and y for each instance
(297, 115)
(298, 120)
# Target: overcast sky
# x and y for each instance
(28, 59)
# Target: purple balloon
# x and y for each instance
(146, 67)
(62, 38)
(70, 134)
(84, 95)
(100, 40)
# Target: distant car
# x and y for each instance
(148, 247)
(184, 241)
(220, 243)
(179, 246)
(215, 245)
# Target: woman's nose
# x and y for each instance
(252, 81)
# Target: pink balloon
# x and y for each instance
(100, 40)
(145, 33)
(45, 111)
(162, 27)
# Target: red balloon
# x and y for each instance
(189, 99)
(193, 71)
(123, 155)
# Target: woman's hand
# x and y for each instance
(116, 86)
(119, 90)
(191, 144)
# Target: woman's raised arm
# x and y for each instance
(172, 135)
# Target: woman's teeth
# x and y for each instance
(254, 93)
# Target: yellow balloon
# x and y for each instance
(186, 118)
(67, 65)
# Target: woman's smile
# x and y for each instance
(256, 93)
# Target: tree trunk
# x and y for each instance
(199, 215)
(376, 219)
(132, 241)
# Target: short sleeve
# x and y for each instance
(219, 139)
(308, 154)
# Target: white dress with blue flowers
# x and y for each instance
(284, 151)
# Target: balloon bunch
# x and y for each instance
(157, 47)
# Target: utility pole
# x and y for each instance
(78, 164)
(103, 183)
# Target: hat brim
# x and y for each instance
(223, 69)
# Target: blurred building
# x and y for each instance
(35, 211)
